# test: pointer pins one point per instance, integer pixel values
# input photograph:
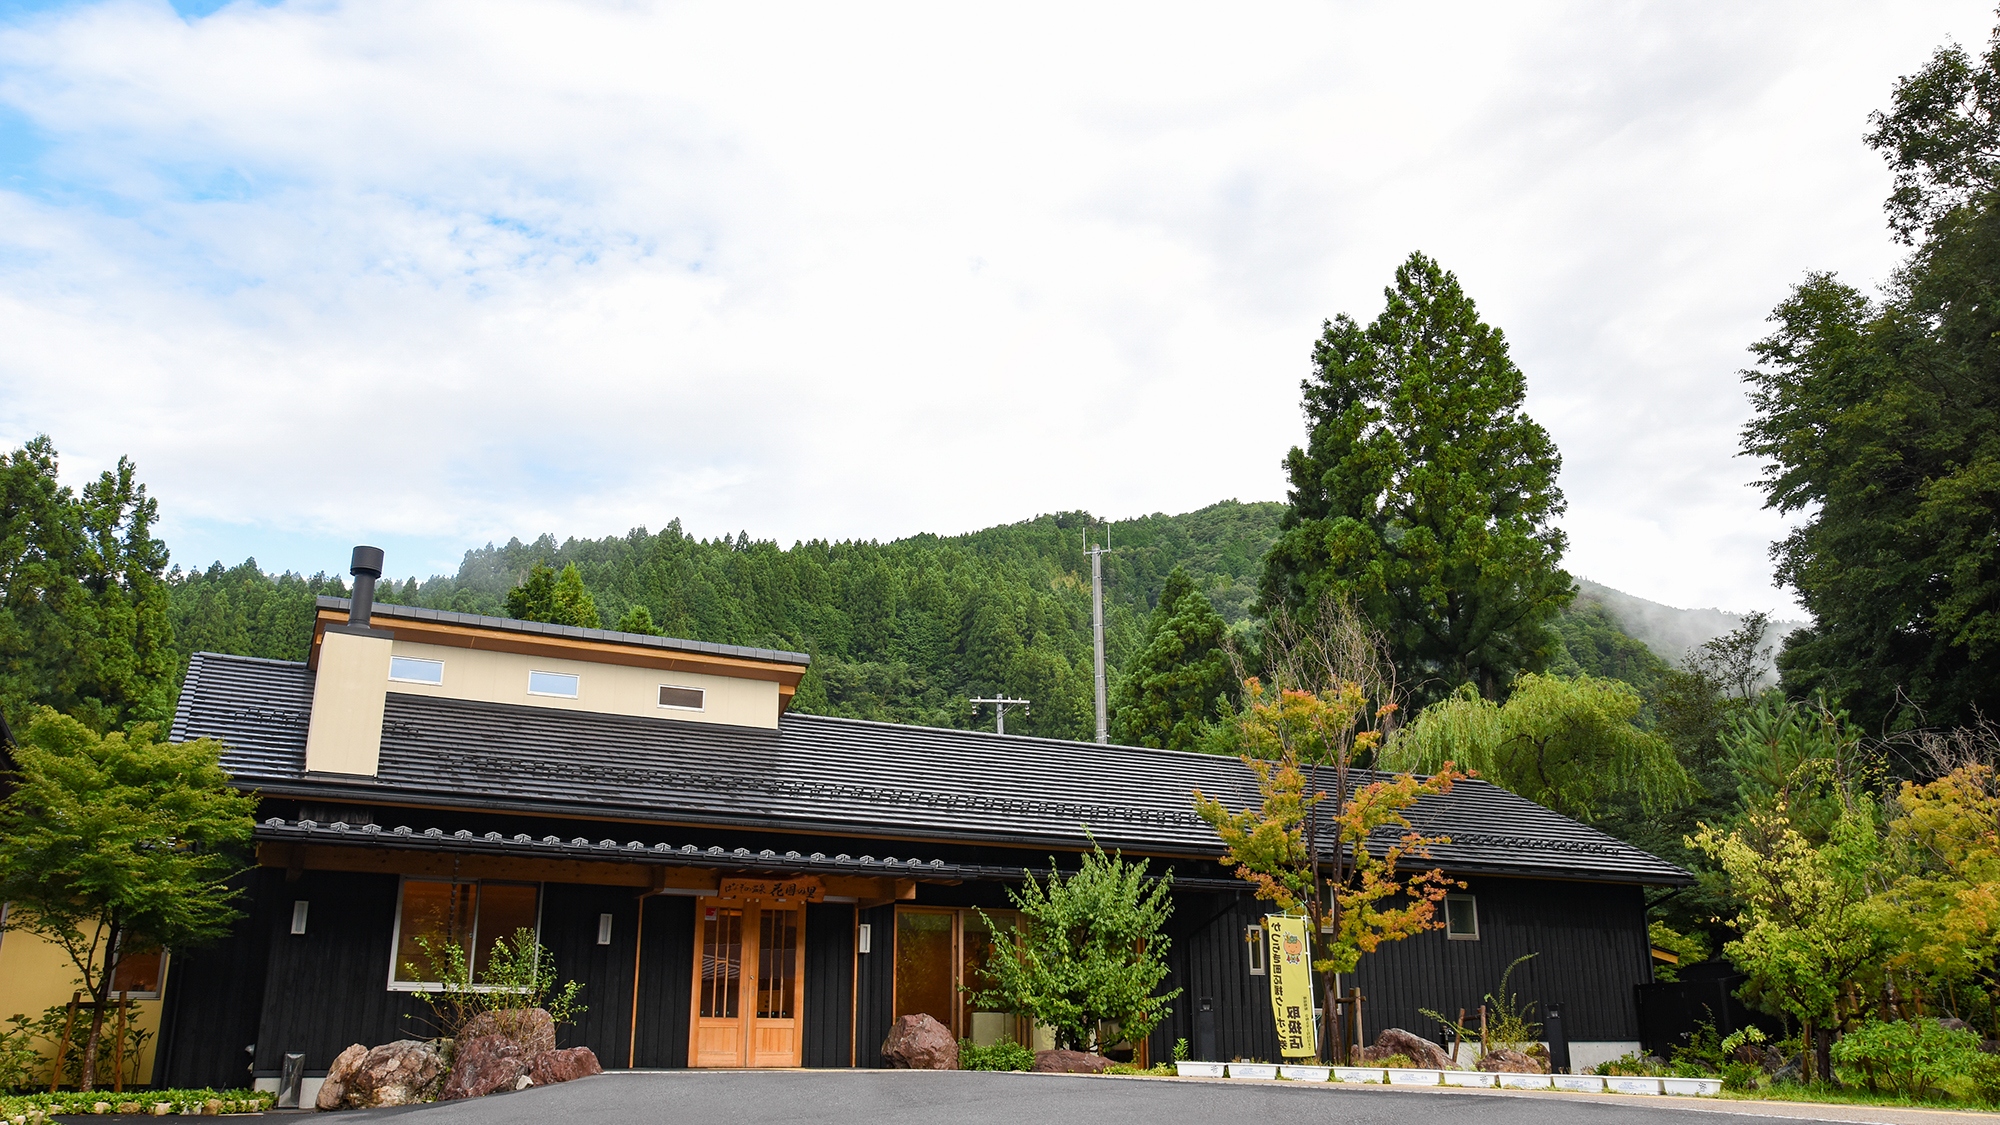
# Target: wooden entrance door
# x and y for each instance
(749, 961)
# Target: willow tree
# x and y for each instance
(1425, 494)
(1570, 744)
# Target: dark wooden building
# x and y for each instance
(739, 886)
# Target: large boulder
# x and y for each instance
(1509, 1062)
(564, 1066)
(920, 1043)
(532, 1028)
(484, 1065)
(1069, 1062)
(334, 1089)
(401, 1073)
(1422, 1053)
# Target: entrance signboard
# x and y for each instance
(1290, 974)
(804, 888)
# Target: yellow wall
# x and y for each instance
(36, 974)
(615, 689)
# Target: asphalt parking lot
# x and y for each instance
(892, 1097)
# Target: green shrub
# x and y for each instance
(190, 1102)
(1397, 1062)
(1906, 1057)
(1631, 1066)
(1180, 1050)
(519, 973)
(1003, 1055)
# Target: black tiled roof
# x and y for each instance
(820, 774)
(509, 625)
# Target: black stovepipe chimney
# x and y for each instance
(366, 568)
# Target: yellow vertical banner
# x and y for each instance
(1290, 973)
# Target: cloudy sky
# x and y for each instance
(429, 274)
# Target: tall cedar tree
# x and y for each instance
(1179, 683)
(116, 842)
(84, 616)
(1425, 495)
(1882, 423)
(557, 599)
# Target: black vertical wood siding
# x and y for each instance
(876, 994)
(1210, 958)
(829, 984)
(1590, 945)
(569, 931)
(666, 982)
(327, 988)
(215, 996)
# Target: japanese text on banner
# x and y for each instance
(1291, 985)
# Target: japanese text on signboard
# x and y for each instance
(1290, 975)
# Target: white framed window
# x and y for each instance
(416, 670)
(559, 684)
(1461, 917)
(1253, 941)
(681, 698)
(471, 913)
(139, 973)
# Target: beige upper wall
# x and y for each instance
(345, 732)
(612, 689)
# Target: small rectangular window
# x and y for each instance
(681, 698)
(138, 973)
(552, 683)
(1253, 939)
(1461, 917)
(413, 670)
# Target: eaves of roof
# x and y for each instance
(524, 846)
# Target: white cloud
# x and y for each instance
(506, 267)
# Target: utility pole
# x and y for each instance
(1097, 621)
(1000, 706)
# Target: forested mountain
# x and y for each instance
(905, 631)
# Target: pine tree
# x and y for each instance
(1179, 682)
(1425, 494)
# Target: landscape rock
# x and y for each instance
(1952, 1023)
(920, 1043)
(399, 1073)
(1069, 1062)
(564, 1066)
(484, 1064)
(1509, 1062)
(334, 1088)
(1422, 1053)
(532, 1028)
